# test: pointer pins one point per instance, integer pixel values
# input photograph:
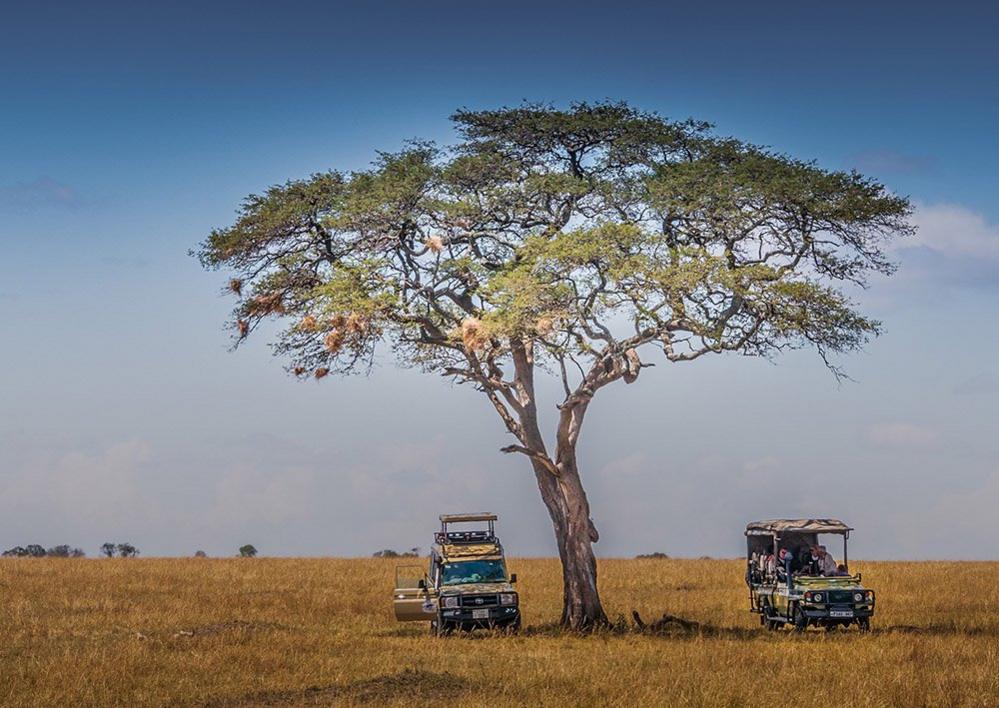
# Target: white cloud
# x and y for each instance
(968, 515)
(763, 470)
(248, 495)
(901, 435)
(81, 491)
(954, 231)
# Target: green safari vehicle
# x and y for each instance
(793, 585)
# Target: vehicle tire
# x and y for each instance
(769, 622)
(800, 621)
(440, 628)
(864, 624)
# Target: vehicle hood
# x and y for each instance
(475, 588)
(845, 583)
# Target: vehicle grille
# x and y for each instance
(476, 601)
(841, 597)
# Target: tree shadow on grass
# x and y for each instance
(416, 685)
(672, 627)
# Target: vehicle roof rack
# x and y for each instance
(486, 535)
(462, 518)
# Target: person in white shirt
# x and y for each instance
(827, 564)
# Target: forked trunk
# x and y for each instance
(562, 492)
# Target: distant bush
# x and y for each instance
(33, 550)
(127, 550)
(122, 550)
(65, 551)
(658, 555)
(389, 553)
(200, 554)
(247, 551)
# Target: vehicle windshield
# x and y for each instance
(473, 571)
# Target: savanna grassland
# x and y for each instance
(242, 632)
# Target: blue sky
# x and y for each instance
(128, 131)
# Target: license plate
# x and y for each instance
(480, 614)
(841, 613)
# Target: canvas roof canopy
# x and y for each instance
(779, 526)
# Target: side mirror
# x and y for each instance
(513, 578)
(422, 584)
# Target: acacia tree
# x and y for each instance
(583, 242)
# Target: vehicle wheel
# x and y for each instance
(864, 624)
(766, 618)
(439, 628)
(513, 627)
(832, 627)
(800, 621)
(769, 622)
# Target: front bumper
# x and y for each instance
(837, 612)
(502, 614)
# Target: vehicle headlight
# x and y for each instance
(817, 597)
(858, 597)
(451, 601)
(508, 598)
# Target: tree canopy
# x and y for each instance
(590, 232)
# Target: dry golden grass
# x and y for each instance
(320, 631)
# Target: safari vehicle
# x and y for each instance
(466, 586)
(786, 586)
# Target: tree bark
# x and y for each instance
(565, 499)
(563, 494)
(581, 608)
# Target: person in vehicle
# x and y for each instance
(825, 562)
(807, 561)
(785, 564)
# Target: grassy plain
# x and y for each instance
(243, 632)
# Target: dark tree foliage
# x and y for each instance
(247, 551)
(389, 553)
(65, 551)
(127, 550)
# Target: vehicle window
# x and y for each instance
(473, 571)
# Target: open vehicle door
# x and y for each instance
(413, 599)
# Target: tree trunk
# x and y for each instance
(575, 534)
(562, 491)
